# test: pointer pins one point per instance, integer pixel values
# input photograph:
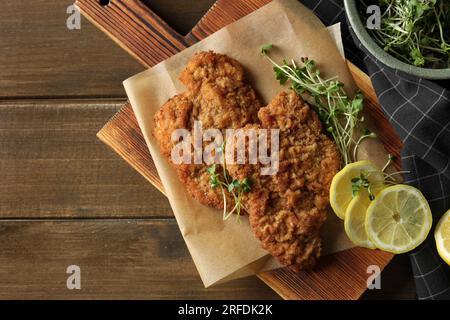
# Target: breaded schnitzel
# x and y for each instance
(288, 209)
(219, 98)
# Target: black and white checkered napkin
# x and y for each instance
(419, 110)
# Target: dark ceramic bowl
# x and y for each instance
(370, 44)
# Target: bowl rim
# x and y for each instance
(366, 40)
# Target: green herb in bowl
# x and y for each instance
(416, 32)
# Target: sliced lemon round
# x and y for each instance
(341, 185)
(442, 237)
(355, 220)
(399, 219)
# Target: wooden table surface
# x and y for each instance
(65, 198)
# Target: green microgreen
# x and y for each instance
(266, 48)
(366, 134)
(339, 113)
(414, 31)
(362, 182)
(377, 179)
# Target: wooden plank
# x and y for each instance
(340, 276)
(41, 57)
(148, 38)
(53, 166)
(141, 32)
(181, 15)
(133, 259)
(127, 141)
(223, 13)
(319, 284)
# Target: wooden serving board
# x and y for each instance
(150, 40)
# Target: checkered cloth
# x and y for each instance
(419, 110)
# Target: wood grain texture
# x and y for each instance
(148, 38)
(132, 259)
(52, 166)
(41, 57)
(341, 275)
(337, 276)
(135, 28)
(182, 16)
(127, 141)
(221, 14)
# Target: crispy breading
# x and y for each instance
(174, 114)
(212, 67)
(217, 97)
(288, 209)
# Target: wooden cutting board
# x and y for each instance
(150, 40)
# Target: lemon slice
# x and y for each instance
(442, 237)
(355, 220)
(399, 219)
(341, 186)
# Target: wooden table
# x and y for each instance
(65, 198)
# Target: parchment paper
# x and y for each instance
(225, 250)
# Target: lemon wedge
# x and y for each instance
(442, 237)
(399, 219)
(341, 185)
(355, 220)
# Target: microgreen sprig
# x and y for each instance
(363, 182)
(414, 31)
(235, 187)
(339, 113)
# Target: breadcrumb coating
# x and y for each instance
(286, 210)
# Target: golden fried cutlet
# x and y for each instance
(212, 67)
(287, 210)
(218, 97)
